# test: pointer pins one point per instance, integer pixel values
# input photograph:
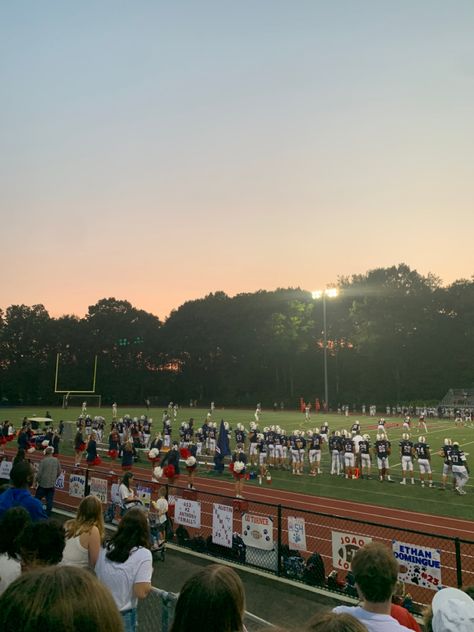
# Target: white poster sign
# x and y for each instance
(114, 493)
(296, 534)
(144, 494)
(77, 484)
(5, 469)
(59, 484)
(419, 565)
(99, 489)
(344, 546)
(257, 531)
(188, 513)
(222, 523)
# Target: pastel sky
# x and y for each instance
(157, 151)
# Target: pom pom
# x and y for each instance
(113, 454)
(157, 473)
(184, 453)
(169, 471)
(231, 466)
(190, 461)
(238, 467)
(153, 454)
(31, 449)
(45, 443)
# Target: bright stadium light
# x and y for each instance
(331, 292)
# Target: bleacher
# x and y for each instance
(458, 398)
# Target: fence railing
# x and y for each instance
(283, 540)
(156, 612)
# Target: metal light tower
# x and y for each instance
(318, 294)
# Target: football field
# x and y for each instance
(415, 498)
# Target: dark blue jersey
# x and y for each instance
(422, 450)
(240, 436)
(348, 445)
(364, 447)
(406, 448)
(382, 448)
(458, 457)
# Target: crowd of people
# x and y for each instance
(74, 578)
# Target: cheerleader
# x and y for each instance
(92, 456)
(79, 446)
(170, 465)
(239, 462)
(114, 443)
(128, 452)
(191, 465)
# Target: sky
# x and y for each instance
(158, 151)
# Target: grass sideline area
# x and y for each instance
(413, 498)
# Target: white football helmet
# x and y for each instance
(422, 439)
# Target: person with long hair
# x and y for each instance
(58, 599)
(127, 493)
(92, 456)
(11, 527)
(84, 534)
(215, 598)
(128, 453)
(125, 566)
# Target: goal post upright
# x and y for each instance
(66, 393)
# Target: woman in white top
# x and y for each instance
(126, 493)
(125, 566)
(84, 534)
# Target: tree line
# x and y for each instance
(394, 336)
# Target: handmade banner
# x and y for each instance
(59, 484)
(5, 469)
(144, 494)
(344, 546)
(77, 484)
(222, 523)
(187, 513)
(114, 493)
(257, 531)
(99, 488)
(419, 565)
(296, 534)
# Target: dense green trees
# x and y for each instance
(394, 336)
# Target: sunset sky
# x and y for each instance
(158, 151)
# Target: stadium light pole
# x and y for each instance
(318, 294)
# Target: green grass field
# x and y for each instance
(416, 498)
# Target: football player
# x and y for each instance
(445, 452)
(364, 453)
(334, 443)
(406, 455)
(460, 468)
(325, 431)
(314, 453)
(382, 451)
(349, 455)
(253, 442)
(422, 450)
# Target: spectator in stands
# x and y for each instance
(58, 599)
(19, 456)
(11, 527)
(41, 544)
(125, 565)
(332, 622)
(48, 471)
(126, 492)
(451, 610)
(161, 506)
(84, 534)
(375, 573)
(214, 598)
(22, 476)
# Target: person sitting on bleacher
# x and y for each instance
(375, 573)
